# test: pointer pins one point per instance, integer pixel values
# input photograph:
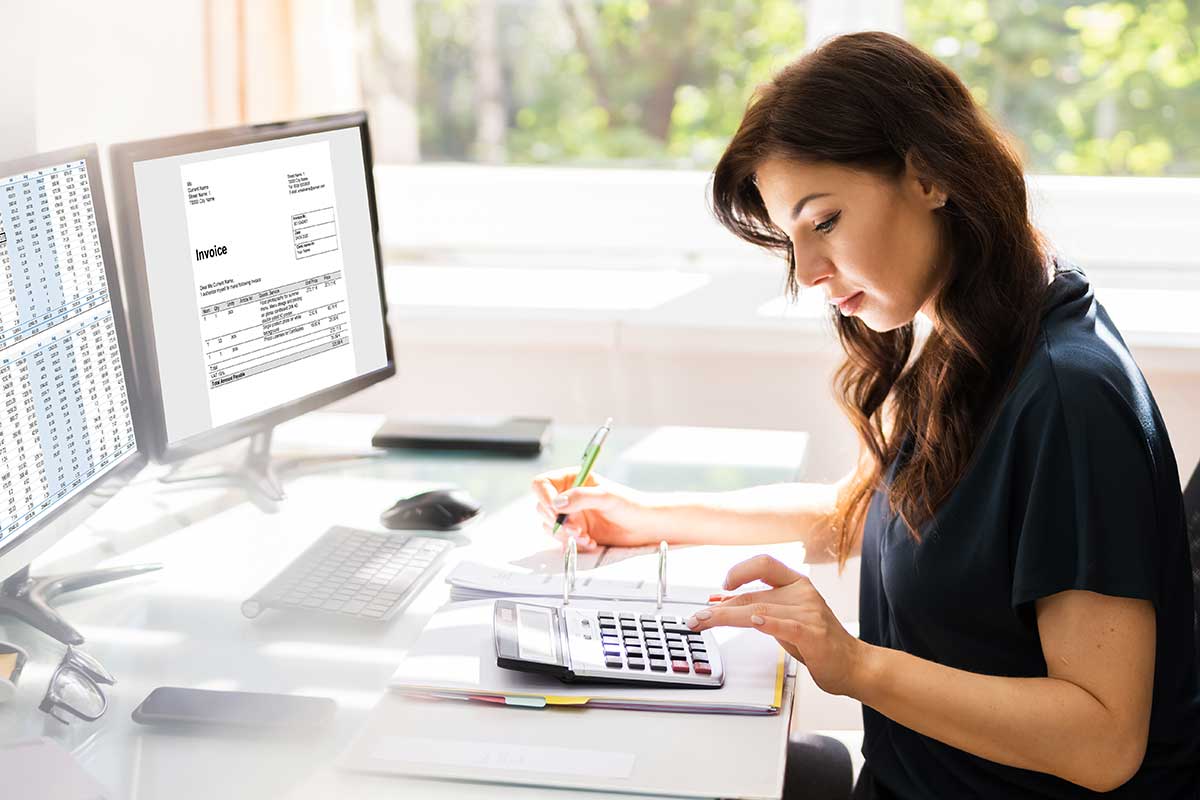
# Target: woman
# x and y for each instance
(1026, 605)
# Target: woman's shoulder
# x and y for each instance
(1080, 371)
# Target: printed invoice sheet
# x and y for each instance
(269, 277)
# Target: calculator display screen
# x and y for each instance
(535, 635)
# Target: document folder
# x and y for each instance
(455, 658)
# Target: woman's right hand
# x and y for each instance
(600, 513)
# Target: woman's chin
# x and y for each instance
(882, 323)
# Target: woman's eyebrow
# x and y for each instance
(796, 209)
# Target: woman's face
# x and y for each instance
(870, 242)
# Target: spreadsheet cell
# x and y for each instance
(64, 412)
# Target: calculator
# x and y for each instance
(605, 646)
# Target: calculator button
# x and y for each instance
(625, 617)
(658, 666)
(611, 650)
(636, 663)
(647, 618)
(655, 651)
(612, 663)
(679, 665)
(702, 668)
(608, 626)
(668, 619)
(605, 615)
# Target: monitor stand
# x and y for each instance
(257, 472)
(28, 598)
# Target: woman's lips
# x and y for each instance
(849, 305)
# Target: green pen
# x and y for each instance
(585, 467)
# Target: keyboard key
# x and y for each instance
(702, 668)
(678, 665)
(636, 663)
(658, 666)
(612, 663)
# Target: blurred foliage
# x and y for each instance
(1086, 88)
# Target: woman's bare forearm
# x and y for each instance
(782, 512)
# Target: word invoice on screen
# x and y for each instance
(269, 277)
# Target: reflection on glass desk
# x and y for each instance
(183, 626)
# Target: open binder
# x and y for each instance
(455, 658)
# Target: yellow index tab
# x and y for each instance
(566, 700)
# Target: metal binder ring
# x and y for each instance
(570, 559)
(662, 572)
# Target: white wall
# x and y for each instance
(17, 63)
(114, 71)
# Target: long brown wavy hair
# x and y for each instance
(869, 101)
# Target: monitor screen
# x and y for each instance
(66, 415)
(261, 275)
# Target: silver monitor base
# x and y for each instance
(28, 598)
(256, 474)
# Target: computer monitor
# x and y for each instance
(255, 277)
(67, 438)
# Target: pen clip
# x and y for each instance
(570, 560)
(662, 573)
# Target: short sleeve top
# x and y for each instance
(1073, 485)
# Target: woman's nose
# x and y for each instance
(811, 269)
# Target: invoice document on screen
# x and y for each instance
(269, 277)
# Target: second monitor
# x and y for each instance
(255, 278)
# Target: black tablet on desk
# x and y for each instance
(515, 436)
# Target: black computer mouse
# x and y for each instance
(436, 510)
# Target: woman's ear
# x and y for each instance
(915, 177)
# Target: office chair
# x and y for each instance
(818, 768)
(1191, 510)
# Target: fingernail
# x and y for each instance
(756, 619)
(560, 501)
(692, 622)
(703, 614)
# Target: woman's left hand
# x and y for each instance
(796, 615)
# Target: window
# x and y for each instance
(1088, 88)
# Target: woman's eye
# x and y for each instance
(827, 225)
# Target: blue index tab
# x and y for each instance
(527, 702)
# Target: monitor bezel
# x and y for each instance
(18, 552)
(153, 417)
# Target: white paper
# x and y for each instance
(471, 580)
(269, 280)
(501, 756)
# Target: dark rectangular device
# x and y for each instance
(173, 705)
(515, 436)
(589, 645)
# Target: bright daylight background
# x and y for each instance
(543, 166)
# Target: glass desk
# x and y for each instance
(182, 626)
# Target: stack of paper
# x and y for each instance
(472, 581)
(455, 658)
